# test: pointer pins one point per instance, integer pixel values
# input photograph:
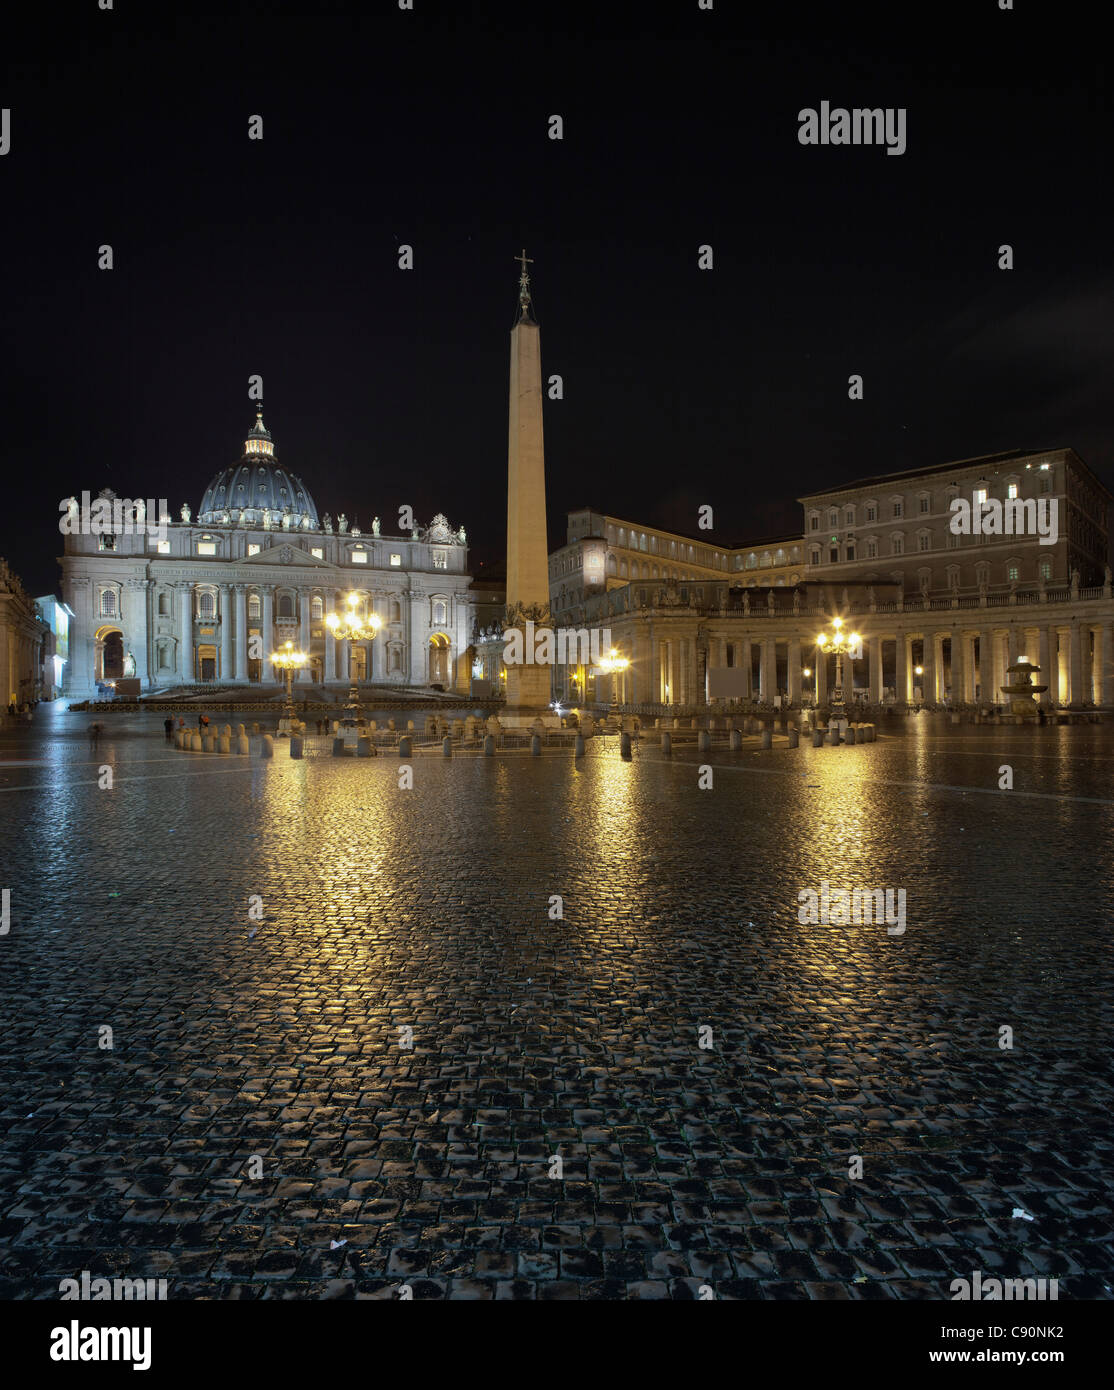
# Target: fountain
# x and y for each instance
(1021, 690)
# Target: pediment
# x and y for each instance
(286, 553)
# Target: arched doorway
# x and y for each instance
(439, 659)
(109, 654)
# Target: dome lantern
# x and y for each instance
(258, 489)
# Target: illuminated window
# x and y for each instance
(396, 559)
(979, 494)
(108, 603)
(1013, 572)
(440, 560)
(1011, 490)
(206, 547)
(253, 550)
(163, 547)
(359, 557)
(317, 553)
(253, 606)
(316, 608)
(1046, 569)
(439, 612)
(206, 606)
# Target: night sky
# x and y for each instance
(682, 387)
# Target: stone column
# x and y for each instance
(241, 640)
(901, 669)
(653, 675)
(986, 665)
(225, 632)
(303, 676)
(345, 672)
(185, 659)
(137, 602)
(267, 627)
(821, 659)
(1075, 665)
(745, 658)
(1089, 665)
(930, 667)
(1106, 656)
(1012, 644)
(874, 652)
(1044, 660)
(794, 669)
(764, 691)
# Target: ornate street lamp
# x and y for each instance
(839, 643)
(350, 627)
(287, 660)
(614, 663)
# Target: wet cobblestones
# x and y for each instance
(428, 909)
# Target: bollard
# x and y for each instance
(704, 740)
(489, 745)
(666, 741)
(736, 740)
(207, 742)
(391, 725)
(405, 747)
(242, 743)
(267, 747)
(364, 748)
(794, 738)
(834, 739)
(226, 730)
(535, 746)
(224, 744)
(818, 738)
(578, 746)
(767, 739)
(296, 745)
(195, 742)
(447, 746)
(850, 737)
(240, 731)
(338, 747)
(255, 727)
(624, 745)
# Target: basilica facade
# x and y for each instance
(204, 601)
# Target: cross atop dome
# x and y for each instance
(259, 430)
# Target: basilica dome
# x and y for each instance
(256, 485)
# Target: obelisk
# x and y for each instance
(528, 684)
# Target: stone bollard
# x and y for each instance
(666, 741)
(391, 725)
(409, 726)
(872, 733)
(405, 747)
(364, 748)
(818, 738)
(535, 746)
(297, 743)
(207, 742)
(267, 747)
(704, 741)
(240, 731)
(224, 744)
(834, 739)
(624, 745)
(794, 738)
(850, 739)
(447, 746)
(226, 731)
(338, 747)
(489, 745)
(242, 745)
(767, 738)
(578, 746)
(255, 727)
(736, 740)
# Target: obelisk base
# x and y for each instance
(528, 698)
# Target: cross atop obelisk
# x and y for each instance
(524, 287)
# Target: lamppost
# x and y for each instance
(840, 644)
(288, 661)
(806, 671)
(350, 627)
(918, 671)
(614, 663)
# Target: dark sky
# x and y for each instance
(682, 387)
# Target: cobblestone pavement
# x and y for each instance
(429, 909)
